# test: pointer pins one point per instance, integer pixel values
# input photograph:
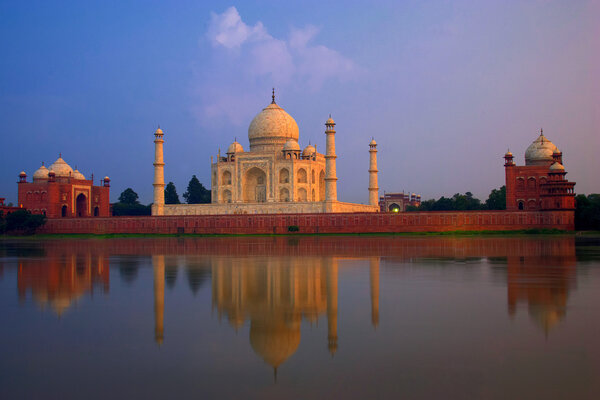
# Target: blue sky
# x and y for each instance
(445, 87)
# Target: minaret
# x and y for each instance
(330, 174)
(332, 305)
(373, 187)
(510, 179)
(158, 263)
(159, 174)
(374, 280)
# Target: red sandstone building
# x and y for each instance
(397, 202)
(4, 209)
(540, 184)
(59, 191)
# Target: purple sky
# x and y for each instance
(445, 87)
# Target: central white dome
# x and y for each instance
(271, 128)
(61, 168)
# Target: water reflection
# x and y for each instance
(542, 281)
(274, 284)
(62, 277)
(275, 295)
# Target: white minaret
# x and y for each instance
(159, 174)
(330, 174)
(373, 188)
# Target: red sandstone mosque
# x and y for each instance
(59, 191)
(540, 184)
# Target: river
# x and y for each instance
(301, 317)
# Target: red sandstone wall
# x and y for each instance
(100, 199)
(529, 190)
(318, 223)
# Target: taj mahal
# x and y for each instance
(274, 176)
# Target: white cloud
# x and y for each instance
(228, 29)
(248, 59)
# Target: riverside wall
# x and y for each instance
(442, 221)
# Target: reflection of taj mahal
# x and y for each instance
(274, 294)
(274, 176)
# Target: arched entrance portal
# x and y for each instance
(81, 205)
(321, 186)
(394, 207)
(255, 186)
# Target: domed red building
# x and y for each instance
(60, 192)
(540, 184)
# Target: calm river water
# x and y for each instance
(300, 317)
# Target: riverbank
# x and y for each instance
(523, 232)
(330, 223)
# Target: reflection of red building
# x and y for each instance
(540, 184)
(59, 191)
(542, 282)
(60, 279)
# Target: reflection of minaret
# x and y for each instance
(332, 305)
(158, 263)
(374, 280)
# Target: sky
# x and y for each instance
(444, 87)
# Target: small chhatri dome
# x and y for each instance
(373, 142)
(78, 175)
(557, 167)
(41, 173)
(22, 173)
(557, 152)
(51, 173)
(291, 145)
(330, 121)
(158, 131)
(271, 128)
(508, 153)
(309, 150)
(106, 178)
(61, 168)
(235, 147)
(540, 151)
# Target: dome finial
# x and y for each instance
(273, 97)
(541, 131)
(60, 155)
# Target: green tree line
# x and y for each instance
(587, 212)
(21, 221)
(461, 202)
(129, 203)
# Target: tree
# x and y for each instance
(129, 197)
(497, 199)
(171, 196)
(196, 193)
(587, 212)
(129, 205)
(23, 221)
(457, 202)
